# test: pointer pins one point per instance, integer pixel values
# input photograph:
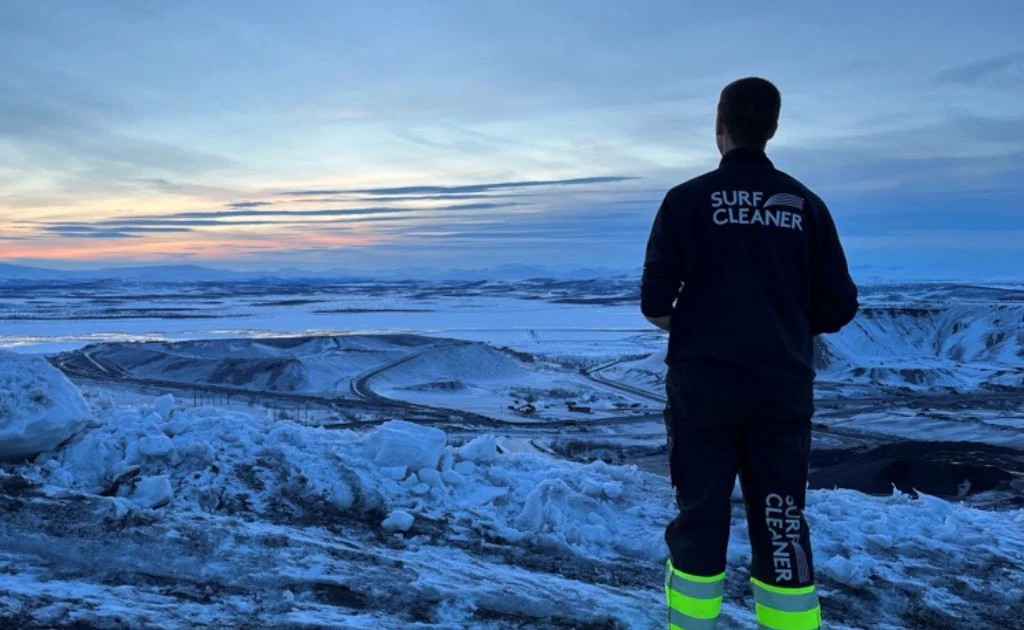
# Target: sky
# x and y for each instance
(466, 134)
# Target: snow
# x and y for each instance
(909, 345)
(481, 450)
(163, 406)
(480, 378)
(947, 550)
(155, 445)
(153, 492)
(209, 459)
(399, 520)
(39, 407)
(959, 346)
(403, 477)
(401, 443)
(151, 513)
(465, 467)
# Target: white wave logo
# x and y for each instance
(785, 199)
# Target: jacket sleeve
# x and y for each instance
(663, 266)
(833, 293)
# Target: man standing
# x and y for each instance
(743, 268)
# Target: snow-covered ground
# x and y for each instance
(923, 348)
(498, 312)
(434, 371)
(159, 516)
(311, 365)
(478, 378)
(960, 346)
(126, 508)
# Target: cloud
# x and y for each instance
(471, 188)
(211, 217)
(1009, 67)
(248, 204)
(187, 221)
(452, 197)
(64, 231)
(81, 230)
(957, 153)
(48, 131)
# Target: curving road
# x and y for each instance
(86, 364)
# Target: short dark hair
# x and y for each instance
(749, 109)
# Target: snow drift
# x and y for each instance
(211, 460)
(962, 346)
(299, 525)
(39, 407)
(922, 347)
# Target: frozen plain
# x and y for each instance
(185, 511)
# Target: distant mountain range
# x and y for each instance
(11, 273)
(196, 273)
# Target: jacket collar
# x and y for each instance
(745, 154)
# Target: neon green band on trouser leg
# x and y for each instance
(780, 608)
(694, 601)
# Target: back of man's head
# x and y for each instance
(749, 111)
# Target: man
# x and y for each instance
(743, 268)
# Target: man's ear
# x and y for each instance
(719, 126)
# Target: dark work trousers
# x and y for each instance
(710, 441)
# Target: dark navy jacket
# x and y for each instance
(747, 261)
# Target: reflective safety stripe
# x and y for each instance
(782, 590)
(680, 621)
(788, 600)
(694, 601)
(694, 578)
(686, 584)
(781, 620)
(780, 608)
(699, 608)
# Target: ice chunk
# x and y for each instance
(399, 520)
(481, 494)
(396, 473)
(464, 468)
(163, 405)
(155, 445)
(591, 488)
(481, 449)
(431, 477)
(845, 571)
(448, 459)
(399, 442)
(421, 488)
(453, 478)
(39, 407)
(595, 534)
(340, 495)
(153, 492)
(613, 489)
(120, 506)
